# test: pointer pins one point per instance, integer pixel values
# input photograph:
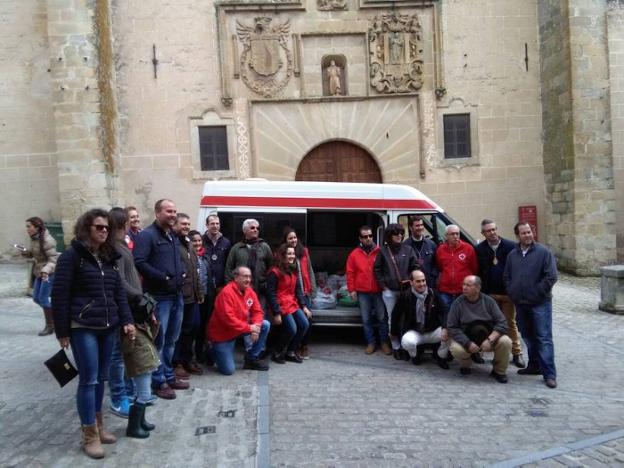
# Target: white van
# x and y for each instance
(326, 217)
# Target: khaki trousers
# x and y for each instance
(501, 354)
(509, 311)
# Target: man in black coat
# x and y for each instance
(492, 256)
(418, 319)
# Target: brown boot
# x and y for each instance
(91, 442)
(105, 437)
(49, 323)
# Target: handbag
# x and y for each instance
(61, 368)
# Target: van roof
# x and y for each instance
(314, 195)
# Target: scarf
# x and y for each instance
(420, 308)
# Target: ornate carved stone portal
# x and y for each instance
(266, 62)
(395, 46)
(331, 4)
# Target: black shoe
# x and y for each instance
(441, 362)
(278, 357)
(417, 360)
(145, 424)
(465, 370)
(477, 358)
(529, 371)
(255, 364)
(500, 378)
(396, 354)
(135, 417)
(449, 357)
(518, 361)
(293, 358)
(405, 355)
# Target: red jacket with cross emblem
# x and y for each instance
(233, 314)
(454, 265)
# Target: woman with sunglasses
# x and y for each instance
(90, 305)
(285, 296)
(305, 278)
(392, 269)
(43, 251)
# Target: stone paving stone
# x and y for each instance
(39, 424)
(344, 405)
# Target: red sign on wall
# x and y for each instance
(529, 214)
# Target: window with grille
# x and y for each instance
(213, 148)
(457, 136)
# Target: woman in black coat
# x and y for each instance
(90, 305)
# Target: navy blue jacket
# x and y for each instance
(530, 278)
(158, 260)
(492, 275)
(426, 259)
(217, 255)
(86, 293)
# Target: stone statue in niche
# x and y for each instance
(395, 50)
(265, 52)
(333, 77)
(331, 4)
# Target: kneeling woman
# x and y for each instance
(285, 296)
(90, 305)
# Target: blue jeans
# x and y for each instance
(92, 350)
(41, 292)
(294, 328)
(446, 300)
(373, 313)
(188, 331)
(169, 313)
(119, 386)
(143, 387)
(535, 324)
(223, 351)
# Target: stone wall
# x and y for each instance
(578, 156)
(615, 29)
(27, 142)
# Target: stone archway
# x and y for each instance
(338, 161)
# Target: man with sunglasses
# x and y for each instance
(158, 260)
(363, 286)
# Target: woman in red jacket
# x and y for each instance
(305, 277)
(287, 301)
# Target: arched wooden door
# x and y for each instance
(338, 161)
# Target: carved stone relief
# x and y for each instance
(395, 47)
(334, 69)
(266, 62)
(331, 4)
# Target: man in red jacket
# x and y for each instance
(455, 259)
(363, 286)
(237, 312)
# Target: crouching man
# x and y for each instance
(237, 313)
(476, 324)
(419, 319)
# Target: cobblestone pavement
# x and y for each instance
(342, 408)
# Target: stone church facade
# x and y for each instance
(484, 105)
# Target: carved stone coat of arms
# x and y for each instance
(395, 47)
(266, 62)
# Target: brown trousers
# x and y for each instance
(509, 311)
(501, 354)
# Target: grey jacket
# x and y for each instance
(463, 313)
(529, 279)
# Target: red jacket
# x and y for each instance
(233, 313)
(304, 263)
(454, 265)
(360, 277)
(282, 292)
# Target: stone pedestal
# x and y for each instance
(612, 289)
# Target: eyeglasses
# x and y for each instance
(367, 236)
(397, 234)
(101, 227)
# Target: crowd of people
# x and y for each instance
(145, 308)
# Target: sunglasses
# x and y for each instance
(100, 227)
(367, 236)
(397, 234)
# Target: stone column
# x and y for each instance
(578, 155)
(612, 289)
(82, 132)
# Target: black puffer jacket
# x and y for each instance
(87, 294)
